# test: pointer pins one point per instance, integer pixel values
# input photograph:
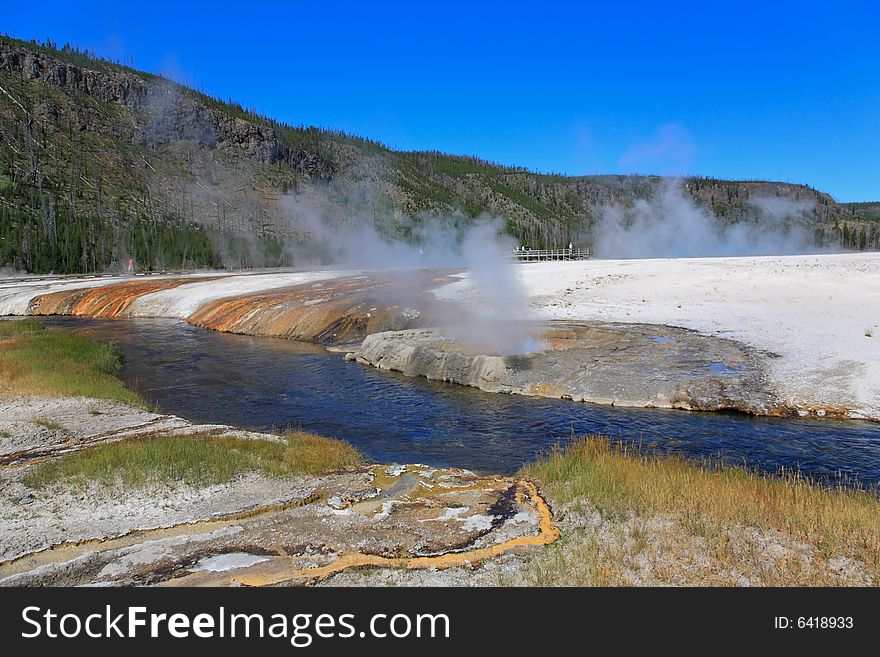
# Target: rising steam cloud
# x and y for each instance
(672, 225)
(497, 324)
(347, 228)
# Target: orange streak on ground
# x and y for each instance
(108, 301)
(233, 314)
(334, 311)
(280, 571)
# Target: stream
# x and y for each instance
(269, 384)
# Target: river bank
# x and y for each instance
(103, 491)
(75, 512)
(809, 320)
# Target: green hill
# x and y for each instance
(100, 162)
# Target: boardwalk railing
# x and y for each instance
(530, 255)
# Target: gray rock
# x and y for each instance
(617, 364)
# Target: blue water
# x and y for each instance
(266, 384)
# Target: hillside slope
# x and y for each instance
(100, 162)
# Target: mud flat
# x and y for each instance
(259, 530)
(617, 364)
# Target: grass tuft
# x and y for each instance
(44, 363)
(48, 424)
(199, 459)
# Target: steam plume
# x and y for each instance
(671, 225)
(346, 227)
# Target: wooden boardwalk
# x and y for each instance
(533, 255)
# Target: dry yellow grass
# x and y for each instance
(675, 522)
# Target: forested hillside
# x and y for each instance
(100, 162)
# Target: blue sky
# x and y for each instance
(772, 90)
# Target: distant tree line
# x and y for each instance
(88, 244)
(861, 235)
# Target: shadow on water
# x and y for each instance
(266, 384)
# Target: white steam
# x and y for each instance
(350, 229)
(496, 323)
(672, 225)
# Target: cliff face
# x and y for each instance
(162, 112)
(100, 162)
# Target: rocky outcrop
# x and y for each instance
(617, 364)
(107, 84)
(164, 111)
(430, 354)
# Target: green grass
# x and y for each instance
(35, 361)
(49, 424)
(199, 459)
(620, 482)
